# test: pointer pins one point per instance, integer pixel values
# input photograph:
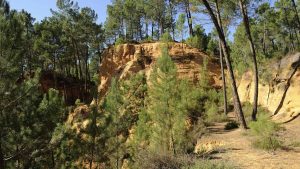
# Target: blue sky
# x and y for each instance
(41, 8)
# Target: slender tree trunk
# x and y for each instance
(161, 27)
(264, 40)
(237, 103)
(75, 66)
(1, 157)
(248, 32)
(86, 69)
(171, 13)
(146, 27)
(289, 29)
(221, 58)
(140, 26)
(79, 60)
(287, 86)
(54, 73)
(92, 153)
(189, 17)
(297, 38)
(296, 12)
(152, 29)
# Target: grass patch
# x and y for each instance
(295, 144)
(265, 132)
(163, 160)
(207, 164)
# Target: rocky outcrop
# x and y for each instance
(281, 94)
(123, 60)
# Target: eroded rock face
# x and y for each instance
(281, 95)
(125, 60)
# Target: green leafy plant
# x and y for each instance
(265, 133)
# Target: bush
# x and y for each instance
(247, 108)
(78, 102)
(211, 106)
(120, 41)
(149, 39)
(151, 160)
(156, 160)
(206, 164)
(212, 113)
(231, 125)
(193, 41)
(265, 132)
(166, 37)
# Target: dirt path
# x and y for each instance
(240, 153)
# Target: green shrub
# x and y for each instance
(151, 160)
(211, 106)
(231, 125)
(78, 102)
(247, 109)
(213, 114)
(149, 39)
(265, 132)
(207, 164)
(193, 41)
(120, 41)
(166, 37)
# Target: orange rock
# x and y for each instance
(127, 59)
(271, 93)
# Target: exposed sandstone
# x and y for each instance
(284, 87)
(124, 60)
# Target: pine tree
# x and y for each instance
(164, 107)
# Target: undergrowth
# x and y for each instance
(155, 160)
(247, 109)
(265, 132)
(207, 164)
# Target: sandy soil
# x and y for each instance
(239, 151)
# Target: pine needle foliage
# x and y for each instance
(167, 112)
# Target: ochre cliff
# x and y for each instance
(124, 60)
(281, 93)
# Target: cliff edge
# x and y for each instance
(123, 60)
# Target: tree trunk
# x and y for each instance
(172, 19)
(189, 17)
(75, 66)
(54, 73)
(79, 60)
(86, 69)
(248, 32)
(221, 58)
(264, 40)
(287, 86)
(146, 28)
(296, 12)
(237, 103)
(152, 30)
(2, 165)
(289, 29)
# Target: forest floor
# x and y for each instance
(239, 151)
